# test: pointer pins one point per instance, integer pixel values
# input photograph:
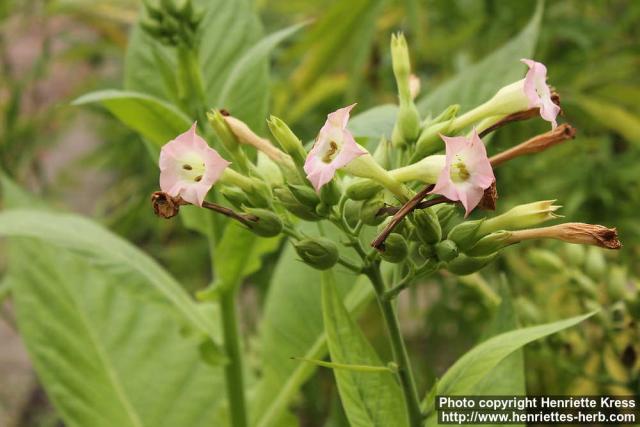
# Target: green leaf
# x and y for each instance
(239, 254)
(292, 326)
(612, 116)
(237, 91)
(369, 398)
(480, 81)
(475, 365)
(228, 30)
(154, 119)
(82, 235)
(347, 366)
(105, 357)
(374, 122)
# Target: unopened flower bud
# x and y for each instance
(319, 253)
(323, 209)
(466, 234)
(330, 193)
(268, 224)
(446, 213)
(288, 141)
(370, 211)
(522, 216)
(290, 203)
(490, 244)
(463, 264)
(363, 189)
(235, 196)
(305, 195)
(395, 248)
(446, 250)
(573, 232)
(427, 226)
(407, 125)
(545, 260)
(595, 265)
(414, 86)
(351, 212)
(382, 154)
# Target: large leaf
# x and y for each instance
(292, 327)
(368, 398)
(480, 361)
(228, 30)
(105, 357)
(154, 119)
(612, 116)
(80, 234)
(480, 81)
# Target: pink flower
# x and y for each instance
(189, 167)
(467, 171)
(538, 92)
(334, 149)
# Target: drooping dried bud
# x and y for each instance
(573, 232)
(166, 206)
(536, 144)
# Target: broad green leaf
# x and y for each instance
(237, 90)
(82, 235)
(375, 122)
(239, 254)
(106, 357)
(369, 398)
(292, 327)
(612, 116)
(480, 81)
(228, 30)
(473, 367)
(154, 119)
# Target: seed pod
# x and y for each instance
(446, 250)
(395, 248)
(268, 224)
(352, 212)
(318, 252)
(427, 225)
(305, 195)
(465, 234)
(330, 193)
(363, 189)
(288, 141)
(290, 203)
(370, 209)
(463, 264)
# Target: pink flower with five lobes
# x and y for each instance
(538, 92)
(334, 148)
(467, 171)
(189, 167)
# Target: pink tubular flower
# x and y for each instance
(334, 149)
(467, 171)
(189, 167)
(538, 92)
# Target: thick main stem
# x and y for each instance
(233, 370)
(399, 350)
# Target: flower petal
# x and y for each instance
(340, 117)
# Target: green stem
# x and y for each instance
(233, 370)
(399, 350)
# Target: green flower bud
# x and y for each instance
(545, 260)
(490, 244)
(268, 224)
(407, 126)
(403, 227)
(595, 265)
(463, 264)
(323, 209)
(305, 195)
(522, 216)
(395, 248)
(426, 225)
(235, 196)
(466, 234)
(330, 193)
(427, 251)
(363, 189)
(290, 203)
(446, 115)
(370, 209)
(382, 154)
(401, 63)
(446, 250)
(287, 140)
(319, 253)
(575, 254)
(352, 212)
(446, 213)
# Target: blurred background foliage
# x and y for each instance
(83, 160)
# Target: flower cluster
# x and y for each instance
(407, 187)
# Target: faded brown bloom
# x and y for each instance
(572, 232)
(536, 144)
(166, 206)
(489, 198)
